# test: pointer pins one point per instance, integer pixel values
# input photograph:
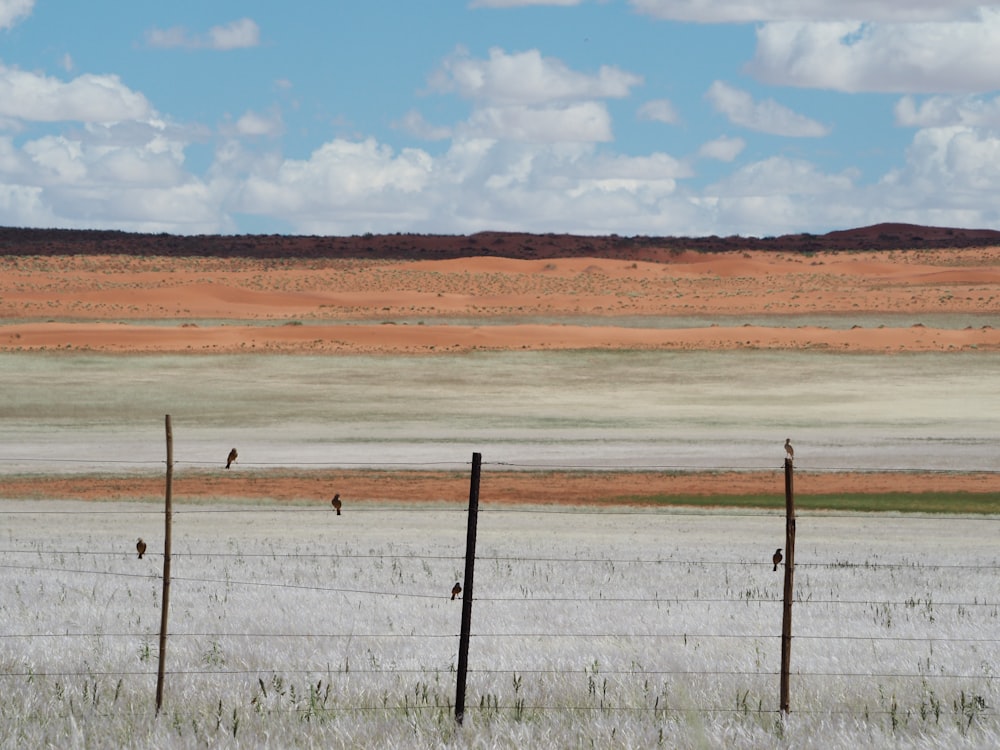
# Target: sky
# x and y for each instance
(631, 117)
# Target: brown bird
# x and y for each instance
(232, 458)
(789, 449)
(336, 503)
(140, 547)
(776, 558)
(456, 590)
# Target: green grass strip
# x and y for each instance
(897, 502)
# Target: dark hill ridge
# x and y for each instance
(55, 242)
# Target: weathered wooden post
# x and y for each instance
(786, 615)
(168, 521)
(470, 564)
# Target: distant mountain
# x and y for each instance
(54, 242)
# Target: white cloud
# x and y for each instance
(580, 122)
(527, 78)
(87, 98)
(256, 124)
(361, 177)
(956, 164)
(779, 175)
(655, 167)
(750, 11)
(958, 56)
(722, 148)
(781, 195)
(524, 97)
(11, 11)
(937, 111)
(108, 158)
(766, 116)
(233, 35)
(658, 110)
(128, 176)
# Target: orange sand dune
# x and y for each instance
(108, 303)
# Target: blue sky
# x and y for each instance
(649, 117)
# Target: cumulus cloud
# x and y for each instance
(341, 175)
(87, 98)
(781, 175)
(765, 116)
(751, 11)
(658, 110)
(780, 195)
(722, 148)
(12, 11)
(957, 56)
(525, 97)
(238, 34)
(957, 164)
(937, 111)
(578, 122)
(527, 78)
(129, 176)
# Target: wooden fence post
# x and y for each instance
(168, 521)
(786, 615)
(470, 564)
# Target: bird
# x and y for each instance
(140, 547)
(232, 458)
(789, 449)
(336, 503)
(776, 558)
(456, 590)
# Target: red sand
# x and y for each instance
(128, 304)
(496, 487)
(108, 303)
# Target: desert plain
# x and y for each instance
(889, 303)
(600, 385)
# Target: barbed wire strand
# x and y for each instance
(431, 636)
(688, 563)
(658, 600)
(535, 465)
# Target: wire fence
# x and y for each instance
(18, 561)
(968, 659)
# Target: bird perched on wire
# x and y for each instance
(140, 547)
(456, 590)
(776, 558)
(336, 503)
(232, 458)
(789, 449)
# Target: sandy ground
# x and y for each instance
(157, 304)
(124, 304)
(495, 487)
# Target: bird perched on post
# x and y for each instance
(336, 503)
(789, 449)
(776, 558)
(140, 547)
(456, 590)
(232, 458)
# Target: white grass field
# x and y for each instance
(697, 410)
(292, 627)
